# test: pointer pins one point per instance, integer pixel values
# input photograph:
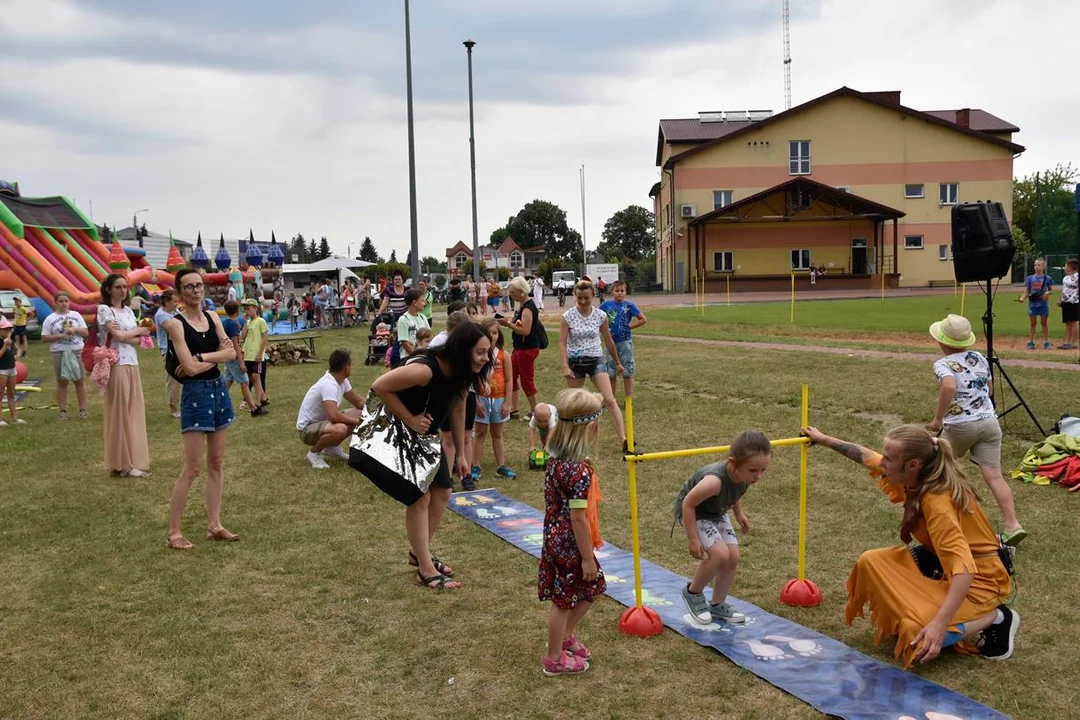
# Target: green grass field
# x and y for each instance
(891, 324)
(315, 614)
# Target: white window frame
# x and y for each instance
(922, 190)
(804, 253)
(944, 252)
(460, 260)
(730, 194)
(943, 193)
(909, 245)
(798, 160)
(801, 200)
(517, 259)
(726, 258)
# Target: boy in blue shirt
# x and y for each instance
(623, 317)
(234, 371)
(1037, 289)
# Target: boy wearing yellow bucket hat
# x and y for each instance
(965, 413)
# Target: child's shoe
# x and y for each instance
(1047, 346)
(565, 665)
(723, 612)
(1031, 345)
(20, 421)
(468, 484)
(697, 605)
(317, 461)
(573, 646)
(475, 474)
(505, 472)
(83, 415)
(63, 415)
(3, 423)
(244, 405)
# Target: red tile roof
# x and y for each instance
(979, 120)
(460, 247)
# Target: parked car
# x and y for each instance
(7, 309)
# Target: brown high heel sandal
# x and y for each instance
(179, 543)
(222, 534)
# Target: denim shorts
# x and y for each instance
(205, 406)
(234, 372)
(492, 411)
(1040, 309)
(626, 357)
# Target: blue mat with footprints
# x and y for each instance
(825, 673)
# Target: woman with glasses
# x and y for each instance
(127, 451)
(197, 343)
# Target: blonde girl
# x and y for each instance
(491, 408)
(570, 576)
(958, 588)
(702, 506)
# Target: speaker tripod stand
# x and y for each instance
(995, 362)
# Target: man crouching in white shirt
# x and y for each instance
(321, 423)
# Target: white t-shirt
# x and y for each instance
(551, 423)
(232, 292)
(972, 374)
(126, 320)
(439, 339)
(326, 389)
(1070, 289)
(584, 338)
(56, 323)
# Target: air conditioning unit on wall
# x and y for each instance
(688, 211)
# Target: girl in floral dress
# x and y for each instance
(570, 576)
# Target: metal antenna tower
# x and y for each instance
(787, 56)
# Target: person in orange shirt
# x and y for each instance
(491, 408)
(952, 586)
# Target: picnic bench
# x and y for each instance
(308, 338)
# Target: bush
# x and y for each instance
(545, 268)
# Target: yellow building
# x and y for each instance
(851, 183)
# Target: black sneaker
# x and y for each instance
(259, 411)
(999, 640)
(468, 483)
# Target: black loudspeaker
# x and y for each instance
(982, 244)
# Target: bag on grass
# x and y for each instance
(395, 458)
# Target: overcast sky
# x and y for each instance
(220, 115)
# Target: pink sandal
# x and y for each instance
(566, 665)
(573, 646)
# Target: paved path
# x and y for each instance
(856, 352)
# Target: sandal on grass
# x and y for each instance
(566, 665)
(575, 647)
(440, 567)
(178, 543)
(222, 535)
(1013, 538)
(436, 582)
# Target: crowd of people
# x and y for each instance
(946, 585)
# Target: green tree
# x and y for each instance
(368, 253)
(393, 257)
(542, 223)
(545, 268)
(431, 264)
(628, 234)
(466, 269)
(312, 251)
(504, 273)
(324, 249)
(1044, 209)
(297, 249)
(497, 236)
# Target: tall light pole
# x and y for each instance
(135, 224)
(415, 270)
(584, 253)
(472, 164)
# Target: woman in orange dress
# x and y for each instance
(957, 590)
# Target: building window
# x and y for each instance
(721, 198)
(949, 193)
(913, 242)
(914, 190)
(800, 200)
(844, 188)
(944, 252)
(459, 260)
(517, 260)
(799, 157)
(800, 259)
(723, 261)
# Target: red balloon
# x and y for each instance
(21, 372)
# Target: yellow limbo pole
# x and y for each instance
(963, 296)
(792, 297)
(631, 468)
(727, 285)
(804, 420)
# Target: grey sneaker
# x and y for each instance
(697, 605)
(725, 613)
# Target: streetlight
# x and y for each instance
(135, 224)
(348, 250)
(415, 270)
(472, 164)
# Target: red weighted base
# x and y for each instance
(801, 593)
(21, 372)
(641, 622)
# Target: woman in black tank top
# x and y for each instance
(197, 343)
(427, 389)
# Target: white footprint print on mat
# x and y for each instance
(766, 652)
(806, 648)
(507, 511)
(711, 627)
(931, 715)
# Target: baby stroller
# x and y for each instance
(379, 339)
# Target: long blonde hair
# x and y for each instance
(570, 439)
(940, 473)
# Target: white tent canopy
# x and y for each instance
(329, 264)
